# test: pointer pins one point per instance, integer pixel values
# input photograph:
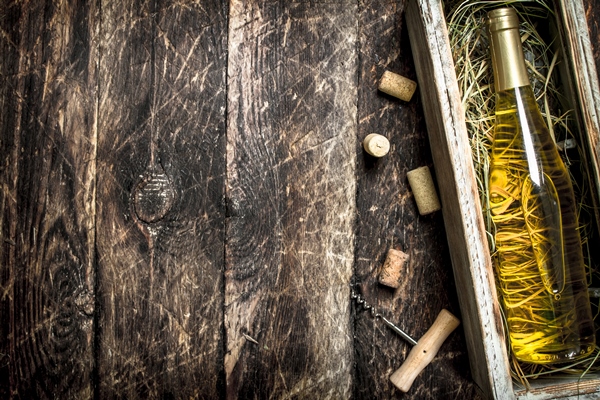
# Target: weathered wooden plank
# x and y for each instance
(592, 14)
(583, 88)
(47, 148)
(291, 187)
(576, 64)
(160, 226)
(388, 218)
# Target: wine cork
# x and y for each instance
(376, 145)
(397, 85)
(390, 274)
(423, 189)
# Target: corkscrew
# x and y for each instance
(366, 306)
(423, 351)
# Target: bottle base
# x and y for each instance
(555, 357)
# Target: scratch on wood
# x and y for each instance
(249, 338)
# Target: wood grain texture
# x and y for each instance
(388, 218)
(568, 388)
(185, 202)
(584, 84)
(592, 16)
(160, 227)
(47, 148)
(291, 154)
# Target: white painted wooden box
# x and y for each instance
(458, 190)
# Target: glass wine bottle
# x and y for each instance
(538, 257)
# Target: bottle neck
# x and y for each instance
(507, 52)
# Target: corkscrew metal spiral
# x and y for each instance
(366, 306)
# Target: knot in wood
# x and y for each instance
(153, 196)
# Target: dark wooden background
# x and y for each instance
(185, 202)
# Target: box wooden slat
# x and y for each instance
(445, 118)
(576, 41)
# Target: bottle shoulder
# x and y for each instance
(520, 103)
(521, 133)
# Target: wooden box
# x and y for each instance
(460, 200)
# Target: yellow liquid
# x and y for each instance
(538, 257)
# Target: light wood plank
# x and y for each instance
(291, 163)
(584, 84)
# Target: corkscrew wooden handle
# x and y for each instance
(425, 350)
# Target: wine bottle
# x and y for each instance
(538, 258)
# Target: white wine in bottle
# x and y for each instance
(538, 258)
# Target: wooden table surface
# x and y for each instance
(186, 205)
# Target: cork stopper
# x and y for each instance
(423, 189)
(376, 145)
(397, 85)
(391, 272)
